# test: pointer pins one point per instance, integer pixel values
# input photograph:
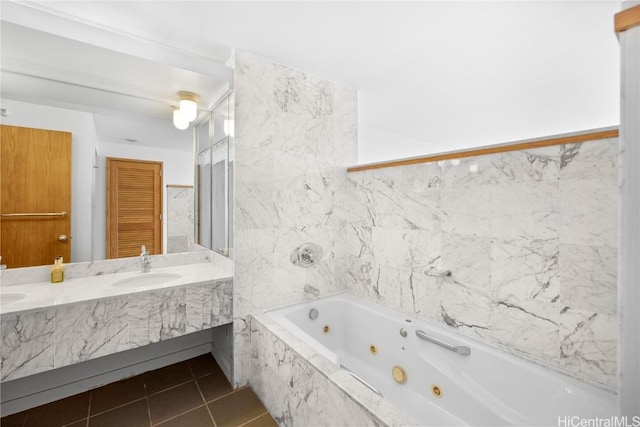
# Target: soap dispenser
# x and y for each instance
(57, 271)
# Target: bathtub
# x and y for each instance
(436, 382)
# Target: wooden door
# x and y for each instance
(134, 207)
(35, 196)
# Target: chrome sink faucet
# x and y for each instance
(308, 289)
(145, 260)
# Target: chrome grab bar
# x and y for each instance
(437, 273)
(363, 382)
(460, 349)
(63, 213)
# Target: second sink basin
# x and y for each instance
(146, 279)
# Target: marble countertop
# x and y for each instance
(45, 294)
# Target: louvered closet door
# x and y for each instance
(134, 207)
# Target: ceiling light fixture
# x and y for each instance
(178, 119)
(188, 105)
(187, 110)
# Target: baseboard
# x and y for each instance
(34, 390)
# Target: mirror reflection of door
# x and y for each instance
(134, 207)
(35, 196)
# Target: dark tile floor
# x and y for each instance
(194, 393)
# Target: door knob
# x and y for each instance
(63, 237)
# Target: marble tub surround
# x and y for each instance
(530, 237)
(39, 339)
(295, 136)
(20, 276)
(300, 387)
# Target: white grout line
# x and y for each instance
(253, 419)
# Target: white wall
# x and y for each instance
(628, 266)
(498, 72)
(81, 125)
(452, 73)
(177, 170)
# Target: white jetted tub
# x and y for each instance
(434, 374)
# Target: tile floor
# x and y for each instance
(194, 393)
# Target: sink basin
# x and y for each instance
(6, 299)
(146, 279)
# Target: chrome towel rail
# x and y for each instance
(460, 349)
(63, 213)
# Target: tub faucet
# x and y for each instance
(308, 289)
(145, 260)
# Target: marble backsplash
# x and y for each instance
(530, 237)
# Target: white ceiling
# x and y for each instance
(431, 76)
(131, 98)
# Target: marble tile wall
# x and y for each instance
(531, 239)
(37, 341)
(295, 135)
(180, 227)
(529, 235)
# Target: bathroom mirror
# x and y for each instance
(116, 105)
(214, 178)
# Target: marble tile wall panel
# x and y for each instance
(88, 330)
(589, 212)
(157, 316)
(589, 277)
(180, 228)
(295, 133)
(588, 259)
(588, 344)
(530, 237)
(27, 343)
(37, 341)
(208, 305)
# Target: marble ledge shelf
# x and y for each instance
(75, 270)
(44, 295)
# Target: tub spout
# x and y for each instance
(308, 289)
